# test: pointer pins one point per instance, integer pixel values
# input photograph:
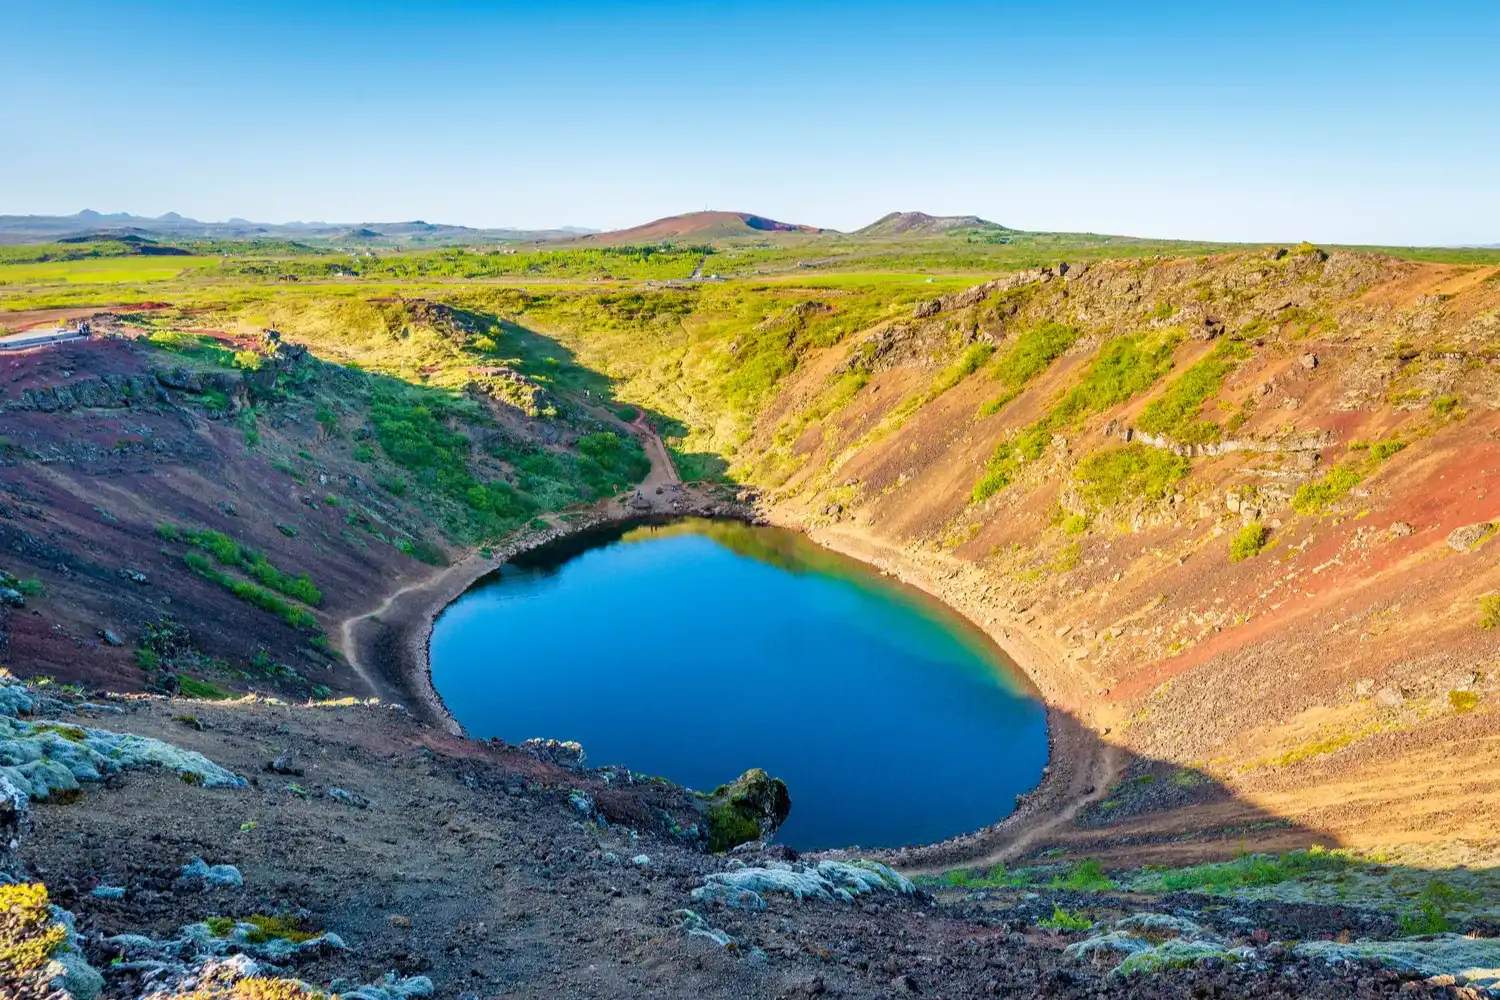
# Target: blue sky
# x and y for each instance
(1373, 122)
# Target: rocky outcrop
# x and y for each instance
(978, 293)
(40, 759)
(751, 807)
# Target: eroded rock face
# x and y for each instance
(751, 807)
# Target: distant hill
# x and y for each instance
(171, 226)
(700, 227)
(922, 224)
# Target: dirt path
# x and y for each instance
(663, 471)
(347, 627)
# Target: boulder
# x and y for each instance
(751, 807)
(1466, 538)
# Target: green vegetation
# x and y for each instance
(1125, 367)
(1318, 496)
(1248, 542)
(189, 687)
(1248, 870)
(230, 553)
(1117, 475)
(1434, 908)
(293, 615)
(1463, 701)
(1062, 920)
(1175, 413)
(1033, 353)
(1086, 876)
(728, 827)
(28, 933)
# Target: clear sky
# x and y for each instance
(1371, 122)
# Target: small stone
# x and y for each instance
(200, 873)
(1390, 697)
(398, 920)
(108, 892)
(284, 765)
(641, 860)
(1308, 361)
(110, 638)
(1400, 530)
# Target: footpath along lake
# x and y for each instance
(698, 649)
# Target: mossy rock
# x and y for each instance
(754, 805)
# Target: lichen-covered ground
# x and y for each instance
(382, 858)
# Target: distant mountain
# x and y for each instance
(922, 224)
(89, 224)
(700, 227)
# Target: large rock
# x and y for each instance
(753, 806)
(1465, 538)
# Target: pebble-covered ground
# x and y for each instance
(368, 849)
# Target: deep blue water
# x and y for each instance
(700, 649)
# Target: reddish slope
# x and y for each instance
(700, 227)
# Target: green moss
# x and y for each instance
(219, 926)
(278, 926)
(71, 733)
(728, 827)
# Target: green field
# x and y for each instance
(102, 271)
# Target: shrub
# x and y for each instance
(1135, 471)
(248, 360)
(1433, 907)
(1075, 524)
(1317, 497)
(1445, 405)
(166, 532)
(364, 453)
(1062, 920)
(1249, 542)
(31, 588)
(1489, 611)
